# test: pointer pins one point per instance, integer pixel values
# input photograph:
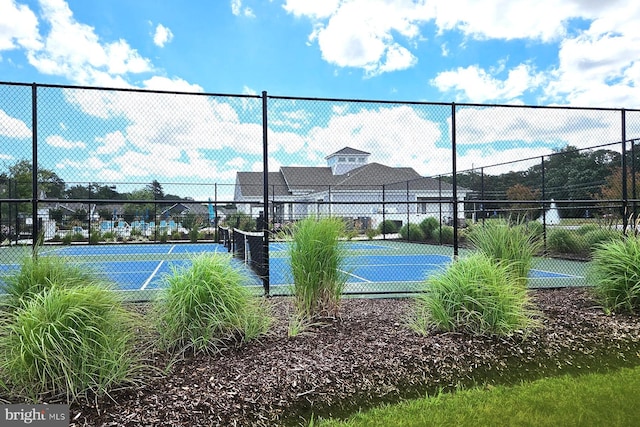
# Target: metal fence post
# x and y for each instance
(455, 180)
(34, 166)
(623, 208)
(265, 174)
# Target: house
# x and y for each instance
(349, 186)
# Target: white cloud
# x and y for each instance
(12, 127)
(73, 50)
(60, 142)
(313, 9)
(363, 34)
(18, 27)
(246, 90)
(162, 35)
(175, 84)
(395, 136)
(550, 127)
(601, 66)
(237, 9)
(376, 35)
(474, 84)
(111, 143)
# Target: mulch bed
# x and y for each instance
(365, 357)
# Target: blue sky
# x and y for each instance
(539, 52)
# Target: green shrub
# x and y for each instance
(241, 221)
(194, 234)
(317, 262)
(535, 228)
(68, 341)
(163, 236)
(67, 238)
(615, 274)
(387, 227)
(94, 237)
(207, 306)
(445, 234)
(412, 232)
(475, 294)
(561, 240)
(109, 235)
(600, 235)
(513, 245)
(587, 228)
(430, 227)
(371, 233)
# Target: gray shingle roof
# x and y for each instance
(291, 180)
(307, 179)
(347, 150)
(251, 184)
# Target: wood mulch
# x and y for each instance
(365, 357)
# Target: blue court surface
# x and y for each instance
(369, 266)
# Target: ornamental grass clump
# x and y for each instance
(317, 266)
(206, 306)
(513, 245)
(474, 294)
(69, 342)
(38, 273)
(615, 274)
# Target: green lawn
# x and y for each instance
(589, 400)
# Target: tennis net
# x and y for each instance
(247, 246)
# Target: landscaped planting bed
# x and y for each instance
(365, 356)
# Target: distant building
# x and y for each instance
(349, 186)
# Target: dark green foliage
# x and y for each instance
(561, 240)
(600, 235)
(388, 227)
(412, 233)
(240, 220)
(430, 227)
(445, 235)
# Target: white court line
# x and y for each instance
(356, 276)
(150, 278)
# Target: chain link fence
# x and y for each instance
(133, 183)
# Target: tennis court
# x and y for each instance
(371, 266)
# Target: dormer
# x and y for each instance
(344, 160)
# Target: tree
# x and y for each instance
(21, 175)
(611, 192)
(156, 189)
(132, 211)
(523, 210)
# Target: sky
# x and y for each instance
(580, 53)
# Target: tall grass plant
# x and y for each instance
(69, 342)
(317, 266)
(513, 245)
(615, 274)
(207, 306)
(38, 273)
(475, 294)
